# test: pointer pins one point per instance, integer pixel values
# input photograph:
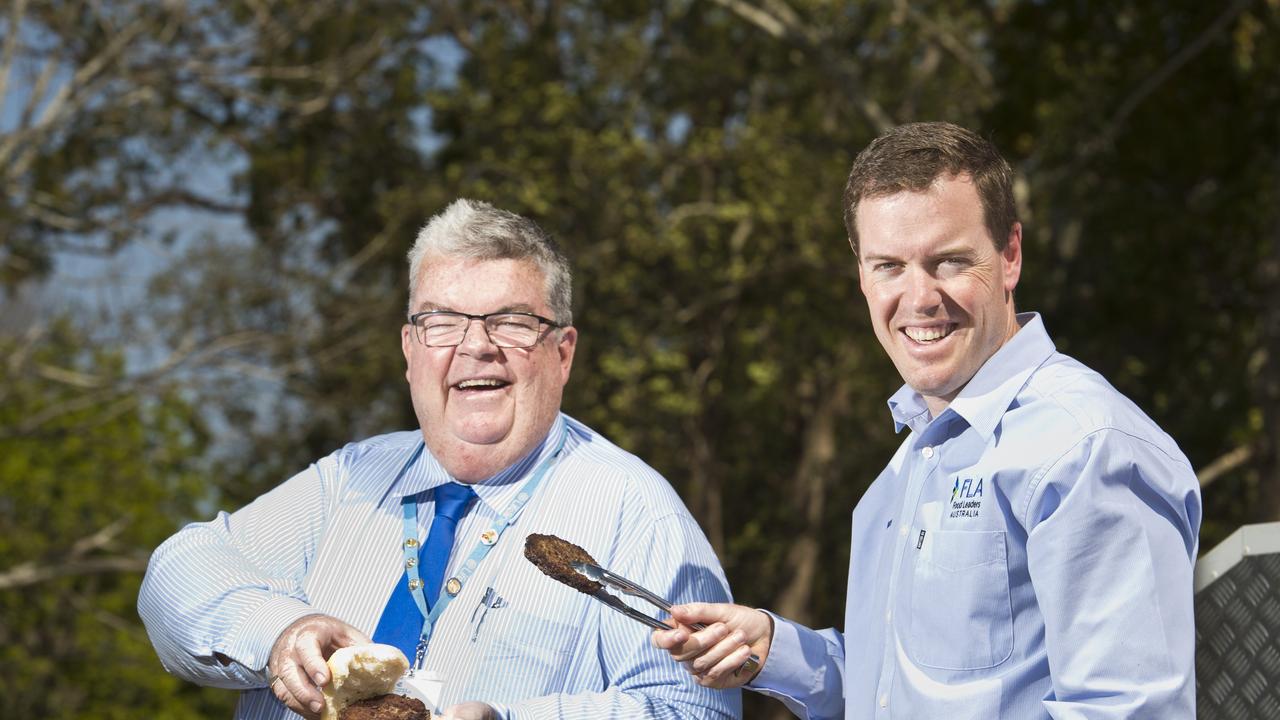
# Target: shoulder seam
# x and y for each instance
(1034, 484)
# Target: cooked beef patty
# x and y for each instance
(553, 555)
(386, 707)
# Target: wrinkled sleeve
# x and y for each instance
(217, 594)
(672, 557)
(805, 670)
(1112, 537)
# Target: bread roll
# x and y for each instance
(358, 672)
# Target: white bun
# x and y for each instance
(358, 672)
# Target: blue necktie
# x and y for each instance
(401, 623)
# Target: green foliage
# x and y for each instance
(122, 468)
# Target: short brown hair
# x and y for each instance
(911, 157)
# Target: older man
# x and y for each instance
(360, 544)
(1028, 551)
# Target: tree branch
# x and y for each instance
(75, 562)
(34, 573)
(1223, 465)
(1106, 137)
(119, 397)
(783, 22)
(949, 42)
(755, 16)
(19, 10)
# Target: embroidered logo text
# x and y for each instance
(966, 497)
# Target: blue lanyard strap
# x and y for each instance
(488, 538)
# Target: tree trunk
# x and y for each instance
(706, 491)
(813, 477)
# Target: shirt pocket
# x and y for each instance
(523, 655)
(960, 616)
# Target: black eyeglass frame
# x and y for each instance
(484, 322)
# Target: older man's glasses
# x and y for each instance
(439, 328)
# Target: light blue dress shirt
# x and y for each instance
(1026, 554)
(328, 540)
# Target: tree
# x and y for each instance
(90, 480)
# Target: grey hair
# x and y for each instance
(479, 231)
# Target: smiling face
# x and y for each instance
(482, 407)
(939, 292)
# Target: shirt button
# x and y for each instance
(927, 452)
(902, 531)
(884, 701)
(888, 616)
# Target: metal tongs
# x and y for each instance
(597, 574)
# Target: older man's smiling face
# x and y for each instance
(482, 407)
(939, 292)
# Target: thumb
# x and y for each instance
(340, 634)
(353, 636)
(333, 636)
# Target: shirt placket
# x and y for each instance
(919, 464)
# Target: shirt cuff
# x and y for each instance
(786, 675)
(781, 671)
(249, 643)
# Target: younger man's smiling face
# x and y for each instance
(939, 292)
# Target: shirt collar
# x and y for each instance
(908, 410)
(498, 490)
(986, 397)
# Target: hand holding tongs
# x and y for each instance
(598, 574)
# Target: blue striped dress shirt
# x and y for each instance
(328, 540)
(1027, 555)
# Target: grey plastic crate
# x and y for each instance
(1238, 626)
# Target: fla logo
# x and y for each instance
(966, 497)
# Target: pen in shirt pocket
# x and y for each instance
(490, 600)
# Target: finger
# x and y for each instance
(297, 687)
(690, 613)
(337, 634)
(355, 637)
(669, 639)
(307, 651)
(299, 678)
(276, 664)
(701, 642)
(716, 653)
(281, 692)
(708, 613)
(726, 671)
(331, 636)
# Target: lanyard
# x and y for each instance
(488, 538)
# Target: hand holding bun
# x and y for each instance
(297, 667)
(358, 672)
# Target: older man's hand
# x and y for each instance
(297, 665)
(714, 655)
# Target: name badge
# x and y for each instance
(423, 685)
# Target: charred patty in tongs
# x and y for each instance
(553, 556)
